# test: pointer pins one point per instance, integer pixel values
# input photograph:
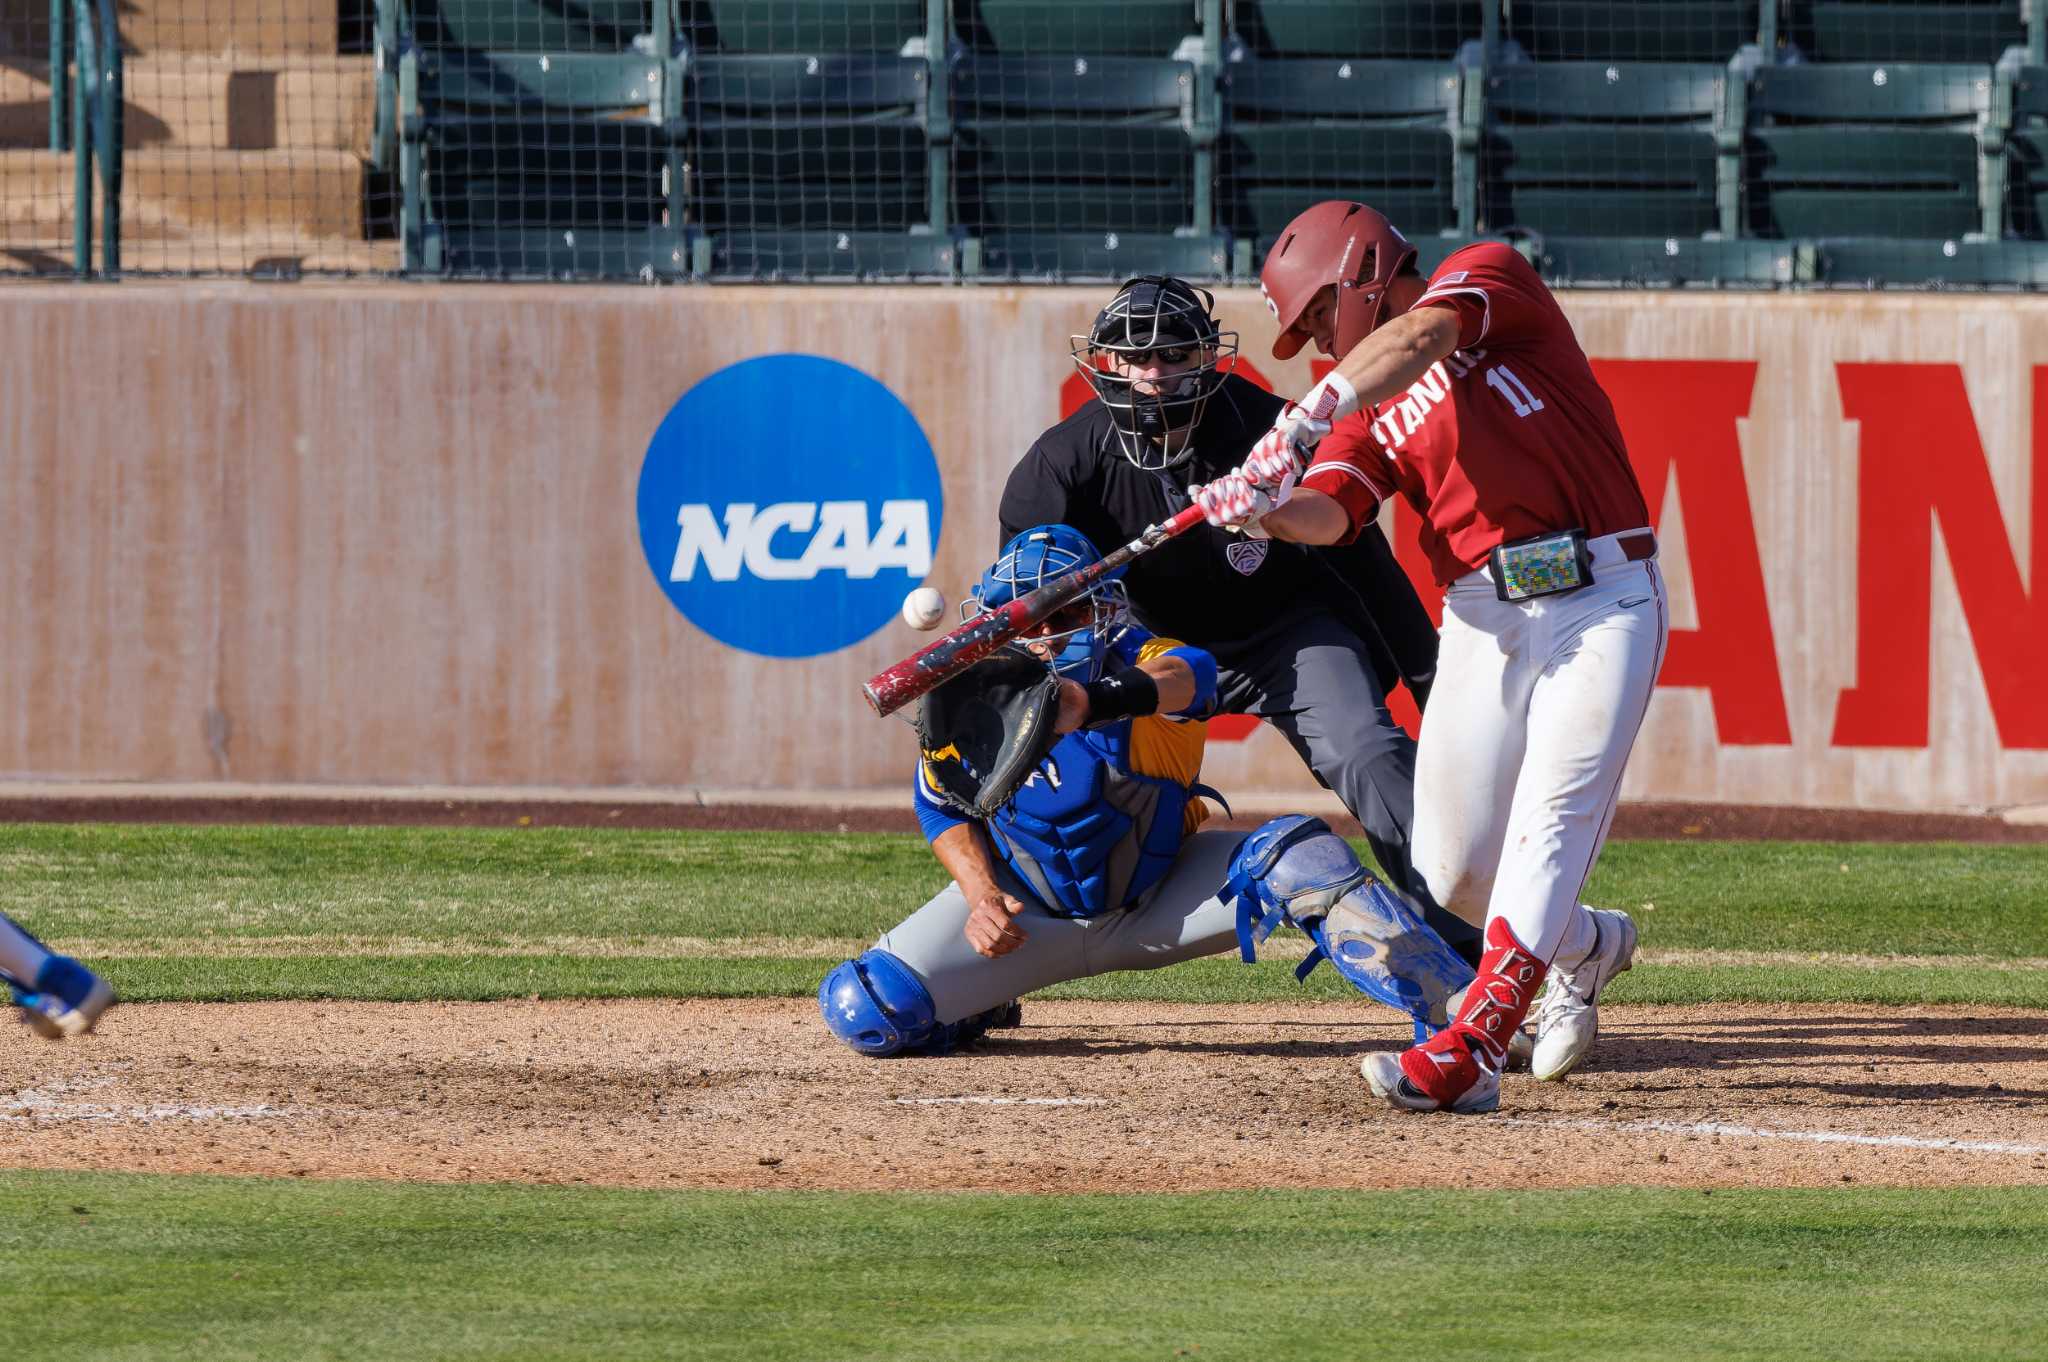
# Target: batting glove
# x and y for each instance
(1234, 502)
(1284, 451)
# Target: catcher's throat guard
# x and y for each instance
(1294, 870)
(985, 731)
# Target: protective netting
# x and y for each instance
(1760, 142)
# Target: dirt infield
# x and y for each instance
(1083, 1097)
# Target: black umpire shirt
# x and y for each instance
(1209, 587)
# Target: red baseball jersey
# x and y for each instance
(1507, 438)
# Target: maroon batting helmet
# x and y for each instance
(1346, 244)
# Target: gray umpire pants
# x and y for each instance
(1312, 678)
(1178, 919)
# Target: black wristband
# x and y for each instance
(1130, 693)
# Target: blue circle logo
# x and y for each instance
(787, 503)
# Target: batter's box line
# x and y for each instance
(1799, 1136)
(1000, 1101)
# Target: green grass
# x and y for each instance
(559, 912)
(131, 1267)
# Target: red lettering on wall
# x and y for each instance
(1682, 414)
(1921, 459)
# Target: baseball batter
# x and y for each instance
(1468, 394)
(1310, 640)
(1088, 853)
(58, 997)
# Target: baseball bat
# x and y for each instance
(890, 690)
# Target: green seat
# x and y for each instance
(1105, 28)
(795, 143)
(833, 255)
(1053, 145)
(656, 251)
(1633, 30)
(1357, 28)
(1866, 263)
(1097, 255)
(1432, 251)
(1298, 132)
(2026, 160)
(1861, 150)
(1671, 262)
(540, 164)
(794, 27)
(1603, 148)
(534, 25)
(1906, 30)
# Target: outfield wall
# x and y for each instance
(395, 533)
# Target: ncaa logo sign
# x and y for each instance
(787, 503)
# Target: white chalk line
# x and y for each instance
(1001, 1101)
(1801, 1136)
(49, 1105)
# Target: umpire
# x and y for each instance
(1318, 666)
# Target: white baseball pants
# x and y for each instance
(1528, 730)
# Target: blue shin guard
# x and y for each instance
(1294, 870)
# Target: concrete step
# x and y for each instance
(50, 253)
(302, 192)
(228, 103)
(220, 27)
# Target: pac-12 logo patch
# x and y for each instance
(1246, 554)
(787, 503)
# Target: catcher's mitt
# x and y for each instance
(984, 732)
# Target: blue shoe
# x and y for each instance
(67, 1000)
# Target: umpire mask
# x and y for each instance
(1154, 357)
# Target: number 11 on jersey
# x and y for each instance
(1504, 381)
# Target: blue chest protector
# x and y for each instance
(1086, 832)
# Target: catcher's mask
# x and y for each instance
(1154, 357)
(1075, 639)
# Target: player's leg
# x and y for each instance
(1586, 709)
(1467, 766)
(1295, 871)
(1314, 680)
(58, 996)
(1184, 917)
(923, 989)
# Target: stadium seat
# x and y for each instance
(806, 143)
(2025, 163)
(1604, 149)
(540, 163)
(1860, 262)
(1358, 28)
(1046, 145)
(1674, 261)
(1298, 131)
(808, 27)
(1075, 28)
(1905, 30)
(1633, 30)
(534, 25)
(1860, 150)
(778, 256)
(1098, 255)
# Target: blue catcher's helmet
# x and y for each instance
(1075, 638)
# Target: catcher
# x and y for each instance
(1059, 787)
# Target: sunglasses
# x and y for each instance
(1167, 354)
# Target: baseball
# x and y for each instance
(924, 608)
